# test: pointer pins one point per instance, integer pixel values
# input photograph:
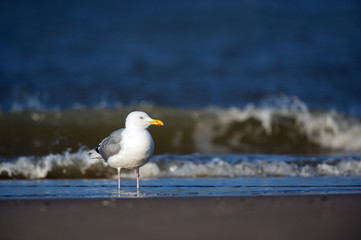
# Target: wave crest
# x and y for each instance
(282, 125)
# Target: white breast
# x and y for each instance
(136, 149)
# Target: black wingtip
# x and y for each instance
(97, 149)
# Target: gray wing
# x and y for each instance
(110, 145)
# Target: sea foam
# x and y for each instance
(80, 165)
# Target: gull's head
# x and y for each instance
(138, 119)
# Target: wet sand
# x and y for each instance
(298, 217)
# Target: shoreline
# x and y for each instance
(268, 217)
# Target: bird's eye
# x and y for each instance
(141, 117)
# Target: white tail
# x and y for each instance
(93, 154)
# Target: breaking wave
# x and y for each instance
(278, 125)
(80, 165)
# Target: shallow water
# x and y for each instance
(177, 187)
(76, 175)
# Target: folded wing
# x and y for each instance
(110, 145)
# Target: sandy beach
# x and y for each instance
(301, 217)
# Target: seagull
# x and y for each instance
(130, 147)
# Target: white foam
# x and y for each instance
(334, 131)
(79, 165)
(217, 167)
(343, 168)
(35, 168)
(330, 130)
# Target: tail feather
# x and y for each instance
(94, 154)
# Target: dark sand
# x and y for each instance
(306, 217)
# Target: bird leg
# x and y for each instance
(137, 171)
(118, 178)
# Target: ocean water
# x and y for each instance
(74, 175)
(257, 97)
(177, 187)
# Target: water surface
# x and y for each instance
(178, 187)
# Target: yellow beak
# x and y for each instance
(156, 122)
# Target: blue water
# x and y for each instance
(178, 187)
(67, 54)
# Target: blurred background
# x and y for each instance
(225, 76)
